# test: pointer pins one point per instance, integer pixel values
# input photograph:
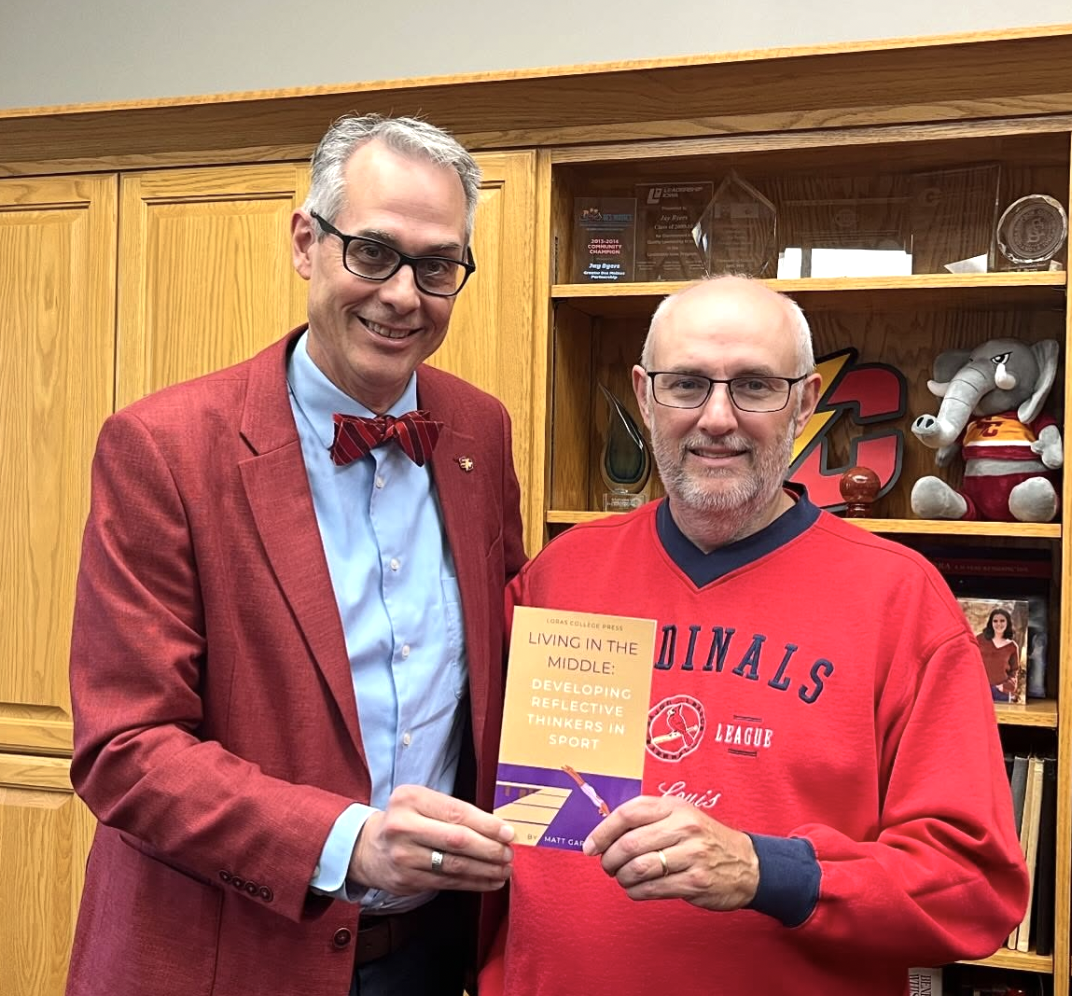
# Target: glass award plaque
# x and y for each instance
(666, 216)
(842, 226)
(603, 232)
(951, 218)
(625, 461)
(1032, 231)
(737, 232)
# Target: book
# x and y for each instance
(1029, 844)
(575, 722)
(1032, 825)
(924, 982)
(1018, 785)
(1000, 628)
(1045, 866)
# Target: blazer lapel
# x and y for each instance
(459, 521)
(277, 489)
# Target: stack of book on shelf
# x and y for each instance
(1033, 781)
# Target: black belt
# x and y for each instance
(379, 936)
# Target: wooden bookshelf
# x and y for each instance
(545, 136)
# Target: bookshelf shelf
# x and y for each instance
(1017, 961)
(932, 290)
(922, 527)
(568, 517)
(1038, 712)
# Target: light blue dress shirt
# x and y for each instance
(397, 591)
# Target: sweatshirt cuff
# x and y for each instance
(788, 878)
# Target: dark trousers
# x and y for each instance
(431, 963)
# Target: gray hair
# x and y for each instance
(800, 323)
(406, 136)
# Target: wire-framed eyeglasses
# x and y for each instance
(749, 392)
(370, 259)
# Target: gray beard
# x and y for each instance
(739, 500)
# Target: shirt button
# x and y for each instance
(407, 739)
(405, 651)
(395, 564)
(380, 482)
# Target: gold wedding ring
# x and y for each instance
(662, 859)
(437, 862)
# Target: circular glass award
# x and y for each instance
(1031, 231)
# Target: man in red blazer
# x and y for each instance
(286, 666)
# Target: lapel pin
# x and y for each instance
(465, 463)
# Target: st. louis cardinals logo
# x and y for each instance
(675, 727)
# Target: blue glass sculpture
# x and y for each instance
(625, 462)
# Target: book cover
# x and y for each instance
(1000, 628)
(574, 722)
(924, 982)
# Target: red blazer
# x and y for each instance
(216, 731)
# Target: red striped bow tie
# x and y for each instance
(416, 432)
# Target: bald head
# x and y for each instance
(732, 299)
(723, 459)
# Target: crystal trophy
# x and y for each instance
(737, 231)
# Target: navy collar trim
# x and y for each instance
(703, 568)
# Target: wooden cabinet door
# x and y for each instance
(490, 342)
(45, 831)
(57, 323)
(205, 278)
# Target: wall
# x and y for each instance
(74, 51)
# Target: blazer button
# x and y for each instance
(238, 883)
(251, 888)
(265, 893)
(225, 876)
(342, 937)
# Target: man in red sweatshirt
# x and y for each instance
(838, 810)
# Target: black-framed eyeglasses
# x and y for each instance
(370, 259)
(749, 393)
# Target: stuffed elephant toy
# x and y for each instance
(992, 398)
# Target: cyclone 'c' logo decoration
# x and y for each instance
(864, 393)
(675, 727)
